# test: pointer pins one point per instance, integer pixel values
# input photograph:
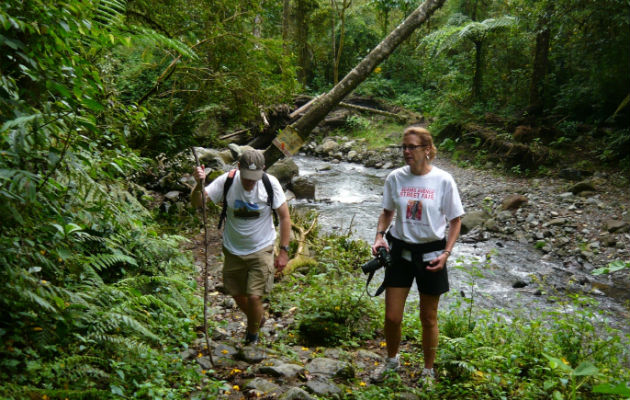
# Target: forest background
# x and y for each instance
(97, 297)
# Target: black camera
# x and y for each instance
(382, 259)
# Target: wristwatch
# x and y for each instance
(285, 248)
(382, 233)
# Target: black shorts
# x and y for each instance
(401, 274)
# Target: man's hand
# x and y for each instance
(281, 260)
(200, 174)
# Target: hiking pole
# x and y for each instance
(205, 255)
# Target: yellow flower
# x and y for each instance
(378, 70)
(305, 348)
(337, 308)
(235, 387)
(203, 371)
(199, 355)
(44, 282)
(38, 329)
(224, 351)
(564, 360)
(361, 383)
(383, 344)
(375, 363)
(235, 371)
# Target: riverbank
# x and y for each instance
(300, 370)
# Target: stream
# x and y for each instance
(348, 199)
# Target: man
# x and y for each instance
(249, 234)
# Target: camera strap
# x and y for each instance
(380, 288)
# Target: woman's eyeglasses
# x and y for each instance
(412, 147)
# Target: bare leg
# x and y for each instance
(394, 307)
(252, 306)
(430, 331)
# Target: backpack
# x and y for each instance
(228, 184)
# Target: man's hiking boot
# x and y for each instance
(251, 338)
(427, 378)
(390, 366)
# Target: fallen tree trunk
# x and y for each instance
(301, 255)
(306, 106)
(301, 129)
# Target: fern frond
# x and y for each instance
(103, 261)
(113, 321)
(157, 38)
(127, 343)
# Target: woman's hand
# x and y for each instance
(379, 242)
(438, 263)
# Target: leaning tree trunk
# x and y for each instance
(328, 101)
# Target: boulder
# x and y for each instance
(303, 188)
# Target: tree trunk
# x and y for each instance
(286, 10)
(328, 101)
(301, 26)
(342, 31)
(332, 33)
(478, 74)
(541, 63)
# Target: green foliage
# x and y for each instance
(96, 301)
(614, 266)
(333, 307)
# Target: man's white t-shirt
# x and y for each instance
(423, 203)
(249, 224)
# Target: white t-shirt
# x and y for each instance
(423, 203)
(249, 223)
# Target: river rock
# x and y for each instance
(330, 368)
(513, 202)
(285, 170)
(303, 188)
(278, 368)
(210, 158)
(296, 394)
(261, 386)
(473, 219)
(584, 186)
(613, 225)
(321, 386)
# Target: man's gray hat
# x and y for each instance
(251, 164)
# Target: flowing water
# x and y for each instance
(348, 199)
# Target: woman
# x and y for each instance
(424, 199)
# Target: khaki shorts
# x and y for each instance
(251, 274)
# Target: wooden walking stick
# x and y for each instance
(205, 254)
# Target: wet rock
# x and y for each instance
(330, 368)
(278, 368)
(472, 220)
(252, 354)
(224, 350)
(303, 188)
(284, 170)
(261, 386)
(296, 394)
(321, 386)
(204, 362)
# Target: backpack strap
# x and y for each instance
(269, 189)
(228, 183)
(226, 187)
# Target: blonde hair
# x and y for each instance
(425, 139)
